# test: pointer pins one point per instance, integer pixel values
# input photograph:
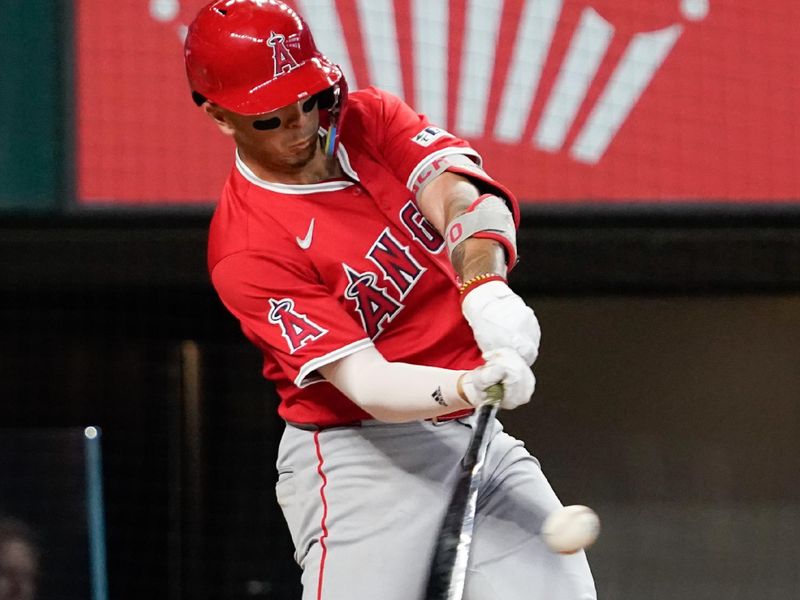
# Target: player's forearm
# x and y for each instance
(476, 256)
(393, 391)
(448, 197)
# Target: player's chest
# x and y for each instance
(375, 258)
(349, 236)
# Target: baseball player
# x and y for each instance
(364, 252)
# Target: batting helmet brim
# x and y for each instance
(313, 76)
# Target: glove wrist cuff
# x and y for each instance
(460, 388)
(477, 281)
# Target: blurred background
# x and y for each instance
(654, 148)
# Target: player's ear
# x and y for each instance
(217, 114)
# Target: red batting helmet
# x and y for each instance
(255, 56)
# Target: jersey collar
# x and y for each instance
(305, 188)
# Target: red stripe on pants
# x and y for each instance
(323, 524)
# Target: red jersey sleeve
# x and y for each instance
(403, 139)
(287, 312)
(416, 150)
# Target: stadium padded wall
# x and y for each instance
(666, 399)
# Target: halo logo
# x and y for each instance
(282, 59)
(464, 105)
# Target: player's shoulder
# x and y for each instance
(371, 114)
(372, 107)
(371, 103)
(367, 98)
(242, 224)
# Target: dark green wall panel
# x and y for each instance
(32, 100)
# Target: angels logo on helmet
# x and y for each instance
(282, 59)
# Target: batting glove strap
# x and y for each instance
(480, 279)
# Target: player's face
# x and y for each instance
(285, 140)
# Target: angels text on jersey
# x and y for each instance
(375, 293)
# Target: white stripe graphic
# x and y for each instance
(642, 58)
(380, 44)
(164, 10)
(430, 37)
(586, 52)
(324, 22)
(537, 25)
(477, 65)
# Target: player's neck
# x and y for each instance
(320, 168)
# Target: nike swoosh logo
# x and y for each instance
(305, 242)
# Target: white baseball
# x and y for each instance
(571, 528)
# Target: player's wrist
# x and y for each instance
(476, 297)
(460, 385)
(469, 285)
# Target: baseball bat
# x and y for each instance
(449, 565)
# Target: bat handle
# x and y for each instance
(495, 394)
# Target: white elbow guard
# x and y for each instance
(488, 217)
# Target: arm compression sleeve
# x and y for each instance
(395, 392)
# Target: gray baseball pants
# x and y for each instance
(364, 505)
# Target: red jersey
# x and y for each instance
(317, 272)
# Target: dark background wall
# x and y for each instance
(678, 419)
(667, 398)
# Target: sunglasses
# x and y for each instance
(324, 99)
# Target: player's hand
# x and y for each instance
(500, 318)
(504, 366)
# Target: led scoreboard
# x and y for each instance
(568, 101)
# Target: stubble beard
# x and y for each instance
(299, 162)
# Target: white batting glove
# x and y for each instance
(504, 366)
(500, 318)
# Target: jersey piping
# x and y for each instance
(305, 188)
